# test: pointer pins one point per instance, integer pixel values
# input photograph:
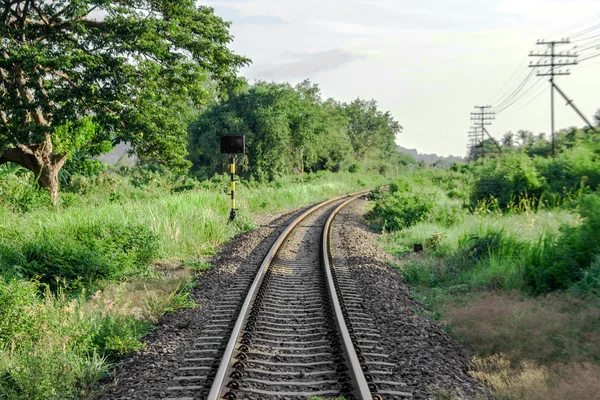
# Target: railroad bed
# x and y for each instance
(294, 329)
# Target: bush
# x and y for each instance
(510, 180)
(565, 263)
(81, 256)
(402, 210)
(55, 347)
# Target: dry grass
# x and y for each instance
(532, 348)
(147, 299)
(528, 381)
(555, 328)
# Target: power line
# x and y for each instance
(512, 89)
(588, 30)
(518, 72)
(589, 58)
(579, 23)
(593, 46)
(498, 111)
(515, 91)
(501, 98)
(526, 103)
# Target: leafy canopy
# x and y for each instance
(84, 74)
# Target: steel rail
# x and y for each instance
(227, 361)
(362, 391)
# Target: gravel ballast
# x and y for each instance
(147, 374)
(427, 359)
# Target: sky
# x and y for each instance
(428, 62)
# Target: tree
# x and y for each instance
(526, 137)
(508, 140)
(81, 75)
(597, 118)
(370, 128)
(287, 129)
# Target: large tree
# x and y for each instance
(287, 130)
(371, 129)
(84, 74)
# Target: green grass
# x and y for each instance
(517, 284)
(77, 287)
(191, 223)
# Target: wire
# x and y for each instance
(515, 91)
(503, 92)
(586, 39)
(507, 106)
(526, 103)
(588, 30)
(583, 22)
(590, 57)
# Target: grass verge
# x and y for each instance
(82, 284)
(518, 287)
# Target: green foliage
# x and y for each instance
(292, 130)
(18, 191)
(416, 198)
(403, 210)
(370, 128)
(287, 130)
(509, 180)
(55, 347)
(589, 280)
(81, 256)
(76, 83)
(572, 256)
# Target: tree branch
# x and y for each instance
(60, 75)
(40, 85)
(41, 14)
(24, 158)
(38, 116)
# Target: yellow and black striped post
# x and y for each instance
(232, 213)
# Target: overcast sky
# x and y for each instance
(427, 61)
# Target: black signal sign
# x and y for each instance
(233, 144)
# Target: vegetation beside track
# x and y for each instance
(83, 282)
(510, 263)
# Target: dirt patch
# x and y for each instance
(427, 359)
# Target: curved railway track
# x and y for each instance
(298, 333)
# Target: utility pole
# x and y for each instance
(556, 60)
(474, 141)
(482, 118)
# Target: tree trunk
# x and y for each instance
(48, 179)
(40, 160)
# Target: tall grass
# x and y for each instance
(515, 278)
(189, 223)
(77, 287)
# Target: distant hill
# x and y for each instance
(431, 158)
(118, 156)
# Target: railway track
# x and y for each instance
(293, 329)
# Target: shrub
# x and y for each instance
(563, 264)
(54, 347)
(402, 210)
(510, 180)
(81, 256)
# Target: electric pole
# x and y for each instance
(474, 141)
(556, 60)
(482, 118)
